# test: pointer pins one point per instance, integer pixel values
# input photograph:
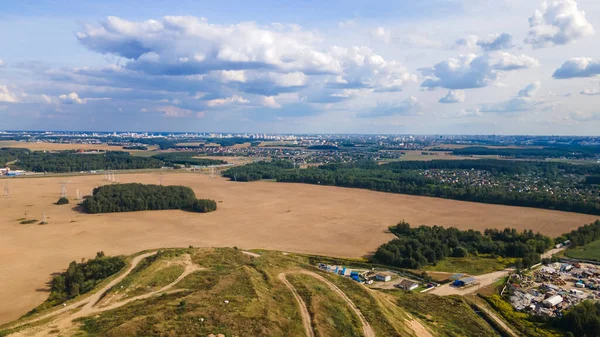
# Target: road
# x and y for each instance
(484, 280)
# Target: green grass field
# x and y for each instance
(471, 265)
(590, 251)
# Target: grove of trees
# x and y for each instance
(186, 158)
(425, 245)
(80, 278)
(140, 197)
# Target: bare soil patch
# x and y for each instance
(286, 217)
(62, 147)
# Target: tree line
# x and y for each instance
(417, 247)
(582, 235)
(407, 178)
(140, 197)
(82, 277)
(577, 152)
(187, 159)
(72, 161)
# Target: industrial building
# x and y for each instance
(407, 285)
(553, 301)
(465, 282)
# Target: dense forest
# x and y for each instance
(425, 245)
(575, 152)
(140, 197)
(80, 278)
(186, 158)
(407, 177)
(72, 161)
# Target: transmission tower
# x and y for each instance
(44, 220)
(212, 171)
(78, 195)
(63, 189)
(6, 191)
(160, 179)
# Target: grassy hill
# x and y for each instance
(198, 292)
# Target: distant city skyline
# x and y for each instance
(435, 67)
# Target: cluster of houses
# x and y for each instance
(554, 288)
(369, 276)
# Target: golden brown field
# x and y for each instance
(288, 217)
(62, 147)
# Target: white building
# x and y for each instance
(553, 301)
(383, 277)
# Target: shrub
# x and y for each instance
(62, 201)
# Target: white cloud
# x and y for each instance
(472, 71)
(453, 96)
(347, 24)
(269, 101)
(407, 107)
(72, 98)
(559, 22)
(2, 64)
(491, 42)
(531, 90)
(6, 96)
(232, 75)
(590, 92)
(235, 99)
(382, 34)
(581, 116)
(578, 67)
(174, 111)
(523, 101)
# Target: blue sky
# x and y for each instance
(437, 66)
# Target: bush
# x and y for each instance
(62, 201)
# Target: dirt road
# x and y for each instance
(367, 330)
(484, 280)
(303, 309)
(63, 319)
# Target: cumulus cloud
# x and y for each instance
(407, 107)
(347, 24)
(2, 64)
(72, 98)
(491, 42)
(382, 34)
(453, 96)
(472, 71)
(235, 99)
(523, 101)
(578, 67)
(6, 96)
(531, 90)
(269, 101)
(559, 22)
(581, 116)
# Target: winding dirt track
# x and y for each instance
(89, 304)
(367, 330)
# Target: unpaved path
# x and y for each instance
(417, 327)
(303, 309)
(497, 319)
(89, 308)
(484, 280)
(94, 298)
(367, 330)
(250, 253)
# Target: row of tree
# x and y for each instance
(72, 161)
(140, 197)
(186, 158)
(406, 177)
(425, 245)
(582, 235)
(579, 152)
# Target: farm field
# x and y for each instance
(590, 251)
(62, 147)
(300, 218)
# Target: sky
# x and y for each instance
(304, 66)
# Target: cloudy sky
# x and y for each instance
(432, 66)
